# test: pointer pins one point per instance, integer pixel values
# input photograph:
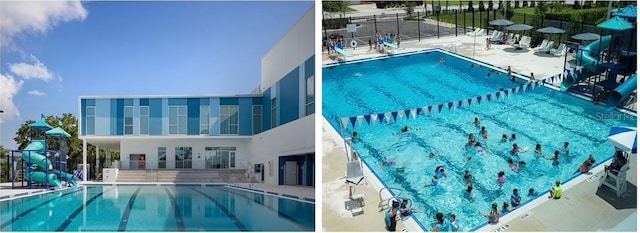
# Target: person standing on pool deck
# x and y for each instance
(370, 44)
(556, 191)
(390, 217)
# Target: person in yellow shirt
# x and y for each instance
(556, 191)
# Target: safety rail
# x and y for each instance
(451, 47)
(384, 203)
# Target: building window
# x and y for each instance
(204, 119)
(273, 113)
(91, 120)
(144, 120)
(229, 119)
(257, 119)
(309, 105)
(162, 157)
(220, 157)
(128, 120)
(183, 157)
(177, 119)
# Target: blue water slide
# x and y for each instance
(587, 58)
(622, 92)
(34, 153)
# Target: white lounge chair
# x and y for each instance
(560, 51)
(498, 37)
(542, 45)
(547, 48)
(474, 33)
(617, 182)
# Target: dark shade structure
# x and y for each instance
(631, 11)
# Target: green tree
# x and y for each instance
(334, 6)
(500, 6)
(410, 6)
(516, 4)
(509, 11)
(490, 5)
(470, 8)
(481, 6)
(4, 169)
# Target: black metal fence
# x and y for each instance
(446, 22)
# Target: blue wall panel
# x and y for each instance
(215, 116)
(113, 117)
(288, 95)
(245, 116)
(266, 110)
(136, 116)
(205, 101)
(177, 101)
(257, 101)
(128, 102)
(155, 116)
(120, 116)
(83, 116)
(193, 116)
(144, 102)
(103, 117)
(229, 101)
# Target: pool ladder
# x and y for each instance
(451, 47)
(384, 203)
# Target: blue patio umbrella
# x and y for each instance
(616, 24)
(519, 27)
(550, 30)
(500, 22)
(624, 138)
(631, 11)
(586, 36)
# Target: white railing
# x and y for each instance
(451, 47)
(384, 203)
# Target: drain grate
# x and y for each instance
(592, 178)
(502, 228)
(526, 215)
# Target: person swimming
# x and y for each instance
(479, 148)
(483, 132)
(565, 148)
(404, 130)
(586, 165)
(532, 193)
(476, 122)
(512, 165)
(505, 138)
(513, 137)
(468, 178)
(515, 150)
(441, 60)
(501, 178)
(472, 139)
(555, 162)
(538, 149)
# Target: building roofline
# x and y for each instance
(167, 96)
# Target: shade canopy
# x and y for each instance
(58, 132)
(624, 138)
(586, 36)
(551, 30)
(616, 24)
(40, 125)
(500, 22)
(631, 11)
(519, 27)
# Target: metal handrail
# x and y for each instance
(384, 203)
(453, 47)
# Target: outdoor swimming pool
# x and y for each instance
(541, 115)
(156, 208)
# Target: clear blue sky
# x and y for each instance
(51, 54)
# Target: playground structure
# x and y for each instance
(603, 62)
(37, 165)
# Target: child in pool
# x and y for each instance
(515, 150)
(501, 178)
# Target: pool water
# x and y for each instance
(542, 115)
(156, 208)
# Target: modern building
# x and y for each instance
(270, 130)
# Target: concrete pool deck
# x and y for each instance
(584, 208)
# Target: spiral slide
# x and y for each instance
(587, 57)
(622, 92)
(33, 152)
